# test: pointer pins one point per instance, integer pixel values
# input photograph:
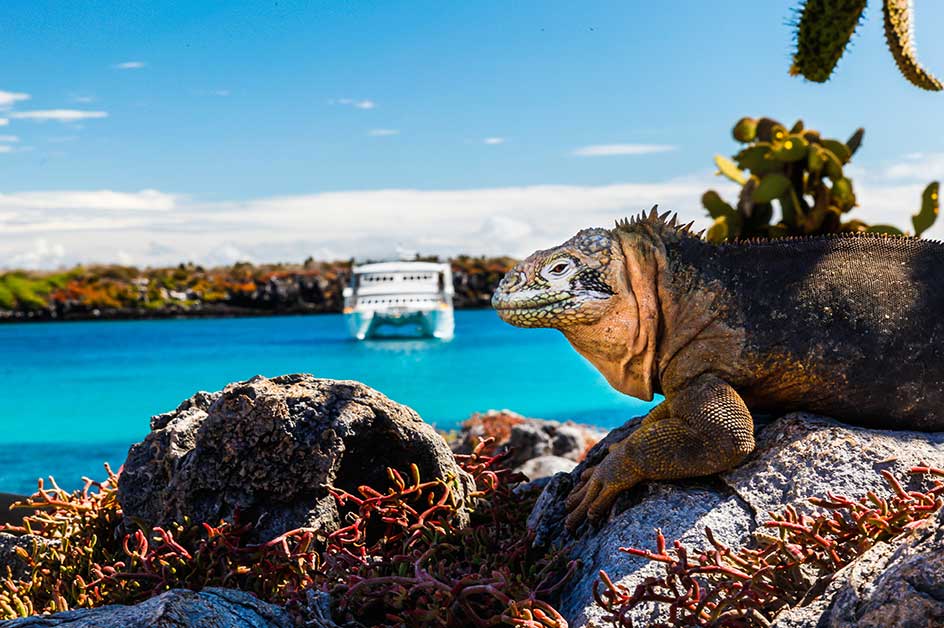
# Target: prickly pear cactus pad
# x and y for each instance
(800, 172)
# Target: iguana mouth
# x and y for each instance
(531, 312)
(510, 305)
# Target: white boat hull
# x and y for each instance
(366, 324)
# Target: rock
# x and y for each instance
(177, 608)
(797, 457)
(546, 466)
(8, 558)
(528, 438)
(267, 448)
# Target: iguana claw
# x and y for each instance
(598, 488)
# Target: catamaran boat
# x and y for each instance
(412, 296)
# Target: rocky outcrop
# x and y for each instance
(266, 449)
(797, 457)
(178, 608)
(539, 448)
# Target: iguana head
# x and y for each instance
(600, 288)
(570, 284)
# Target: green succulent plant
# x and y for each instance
(802, 173)
(825, 27)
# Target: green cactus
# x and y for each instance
(930, 205)
(803, 173)
(825, 28)
(730, 170)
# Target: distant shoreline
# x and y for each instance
(190, 291)
(7, 317)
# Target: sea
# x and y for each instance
(74, 395)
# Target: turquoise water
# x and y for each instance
(75, 394)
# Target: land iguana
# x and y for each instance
(848, 326)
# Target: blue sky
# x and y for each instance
(217, 131)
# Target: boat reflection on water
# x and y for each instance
(401, 344)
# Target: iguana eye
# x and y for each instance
(559, 268)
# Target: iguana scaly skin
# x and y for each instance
(846, 326)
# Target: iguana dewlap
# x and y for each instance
(846, 326)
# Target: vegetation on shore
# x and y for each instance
(115, 291)
(401, 559)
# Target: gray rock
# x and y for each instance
(528, 438)
(797, 457)
(178, 608)
(267, 448)
(802, 456)
(19, 568)
(572, 440)
(546, 466)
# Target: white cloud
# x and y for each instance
(920, 166)
(493, 140)
(158, 228)
(607, 150)
(357, 104)
(513, 220)
(8, 99)
(227, 253)
(336, 225)
(221, 92)
(4, 121)
(83, 99)
(145, 200)
(41, 254)
(383, 132)
(129, 65)
(9, 138)
(5, 148)
(59, 115)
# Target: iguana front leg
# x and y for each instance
(700, 429)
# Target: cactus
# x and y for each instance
(825, 28)
(823, 33)
(930, 205)
(803, 173)
(899, 34)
